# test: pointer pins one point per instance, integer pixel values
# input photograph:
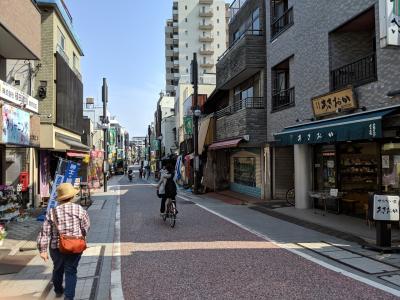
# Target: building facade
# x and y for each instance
(330, 121)
(236, 158)
(20, 50)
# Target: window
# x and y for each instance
(204, 46)
(187, 70)
(218, 33)
(185, 7)
(217, 20)
(186, 20)
(186, 32)
(217, 7)
(187, 45)
(244, 171)
(282, 92)
(204, 60)
(187, 57)
(281, 16)
(251, 26)
(61, 40)
(218, 46)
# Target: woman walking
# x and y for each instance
(68, 221)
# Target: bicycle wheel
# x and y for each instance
(172, 215)
(290, 197)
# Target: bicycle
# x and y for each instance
(170, 213)
(290, 197)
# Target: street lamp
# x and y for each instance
(105, 126)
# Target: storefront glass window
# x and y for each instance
(359, 167)
(391, 168)
(325, 167)
(245, 171)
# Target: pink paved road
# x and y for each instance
(206, 257)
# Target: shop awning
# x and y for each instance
(77, 154)
(74, 144)
(359, 126)
(225, 144)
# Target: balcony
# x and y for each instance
(176, 63)
(206, 26)
(205, 13)
(241, 60)
(357, 73)
(245, 117)
(282, 23)
(207, 2)
(169, 53)
(207, 64)
(206, 39)
(283, 99)
(208, 51)
(170, 76)
(168, 41)
(169, 64)
(235, 7)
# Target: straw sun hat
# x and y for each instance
(65, 191)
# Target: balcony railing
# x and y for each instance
(283, 99)
(356, 73)
(206, 26)
(244, 34)
(208, 51)
(282, 23)
(251, 102)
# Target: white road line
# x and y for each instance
(306, 256)
(116, 292)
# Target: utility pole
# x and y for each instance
(196, 115)
(104, 94)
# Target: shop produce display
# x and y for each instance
(9, 204)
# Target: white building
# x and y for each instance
(197, 26)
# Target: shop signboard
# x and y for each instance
(386, 208)
(335, 102)
(16, 126)
(389, 22)
(15, 96)
(34, 131)
(188, 125)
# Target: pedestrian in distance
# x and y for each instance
(63, 234)
(141, 172)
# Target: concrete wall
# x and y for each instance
(22, 19)
(308, 42)
(168, 138)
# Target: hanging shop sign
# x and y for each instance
(335, 102)
(14, 95)
(15, 126)
(389, 22)
(34, 139)
(386, 208)
(188, 125)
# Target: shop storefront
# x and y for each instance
(357, 154)
(19, 136)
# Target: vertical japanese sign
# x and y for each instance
(69, 175)
(389, 21)
(386, 208)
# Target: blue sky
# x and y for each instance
(123, 40)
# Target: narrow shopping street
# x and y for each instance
(207, 257)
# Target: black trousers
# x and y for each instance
(163, 200)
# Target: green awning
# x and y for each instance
(359, 126)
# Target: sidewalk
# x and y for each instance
(94, 272)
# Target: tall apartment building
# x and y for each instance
(196, 27)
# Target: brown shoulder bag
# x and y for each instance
(69, 244)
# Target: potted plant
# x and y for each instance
(3, 234)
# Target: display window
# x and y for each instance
(359, 167)
(391, 168)
(245, 171)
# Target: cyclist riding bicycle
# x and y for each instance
(166, 188)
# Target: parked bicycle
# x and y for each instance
(170, 213)
(290, 197)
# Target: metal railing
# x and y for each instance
(357, 73)
(283, 98)
(251, 102)
(282, 23)
(235, 42)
